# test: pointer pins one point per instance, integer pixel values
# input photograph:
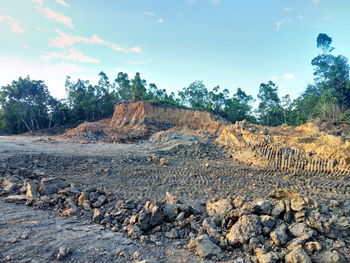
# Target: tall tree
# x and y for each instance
(26, 105)
(269, 109)
(195, 95)
(138, 87)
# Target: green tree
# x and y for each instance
(269, 109)
(239, 107)
(195, 96)
(26, 105)
(138, 87)
(124, 89)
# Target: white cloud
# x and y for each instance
(301, 17)
(160, 20)
(215, 2)
(51, 14)
(62, 2)
(288, 9)
(148, 13)
(289, 76)
(274, 78)
(64, 40)
(58, 17)
(72, 55)
(316, 2)
(24, 46)
(14, 24)
(279, 24)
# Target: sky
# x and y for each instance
(231, 43)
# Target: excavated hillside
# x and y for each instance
(307, 148)
(301, 149)
(138, 119)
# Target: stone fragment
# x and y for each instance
(206, 249)
(17, 199)
(49, 186)
(329, 256)
(218, 210)
(312, 247)
(298, 204)
(246, 227)
(278, 209)
(297, 256)
(32, 189)
(62, 253)
(280, 235)
(163, 161)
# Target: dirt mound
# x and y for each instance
(304, 148)
(138, 119)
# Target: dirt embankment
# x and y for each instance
(304, 148)
(307, 148)
(138, 119)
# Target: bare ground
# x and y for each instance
(196, 172)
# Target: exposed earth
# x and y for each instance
(177, 191)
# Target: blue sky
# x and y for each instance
(231, 43)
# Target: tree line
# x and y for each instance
(27, 105)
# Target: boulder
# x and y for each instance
(218, 210)
(49, 186)
(297, 256)
(246, 227)
(205, 248)
(280, 235)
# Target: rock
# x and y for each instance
(172, 234)
(218, 210)
(312, 247)
(298, 204)
(170, 199)
(210, 227)
(270, 257)
(102, 199)
(62, 253)
(97, 204)
(156, 213)
(297, 256)
(206, 249)
(261, 207)
(49, 186)
(247, 226)
(171, 211)
(268, 223)
(143, 221)
(97, 216)
(32, 189)
(17, 199)
(278, 209)
(280, 235)
(282, 193)
(163, 161)
(328, 257)
(299, 229)
(10, 186)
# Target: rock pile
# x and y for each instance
(284, 228)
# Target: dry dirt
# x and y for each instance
(195, 160)
(197, 171)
